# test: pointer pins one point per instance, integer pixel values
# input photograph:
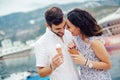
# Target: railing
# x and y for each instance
(112, 30)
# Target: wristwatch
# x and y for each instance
(90, 65)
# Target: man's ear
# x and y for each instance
(47, 25)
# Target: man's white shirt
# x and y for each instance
(45, 50)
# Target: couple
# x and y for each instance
(91, 54)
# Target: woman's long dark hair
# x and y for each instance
(83, 20)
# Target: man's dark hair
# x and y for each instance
(84, 20)
(54, 16)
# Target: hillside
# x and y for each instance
(25, 26)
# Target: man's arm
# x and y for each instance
(56, 62)
(44, 71)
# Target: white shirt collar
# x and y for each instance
(48, 31)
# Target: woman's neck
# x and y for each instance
(84, 38)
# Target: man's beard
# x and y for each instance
(57, 33)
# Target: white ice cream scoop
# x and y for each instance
(59, 48)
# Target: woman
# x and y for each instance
(93, 57)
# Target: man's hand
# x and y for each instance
(57, 61)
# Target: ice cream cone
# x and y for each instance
(73, 51)
(59, 49)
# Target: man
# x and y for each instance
(48, 61)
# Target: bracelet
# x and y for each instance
(51, 66)
(86, 62)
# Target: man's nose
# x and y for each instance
(66, 28)
(62, 30)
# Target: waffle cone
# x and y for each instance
(73, 51)
(59, 50)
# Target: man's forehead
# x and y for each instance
(60, 25)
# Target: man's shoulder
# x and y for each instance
(42, 40)
(67, 33)
(67, 37)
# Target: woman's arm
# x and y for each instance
(101, 53)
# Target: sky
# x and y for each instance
(12, 6)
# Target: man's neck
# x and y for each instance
(61, 39)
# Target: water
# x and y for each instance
(17, 64)
(115, 59)
(27, 63)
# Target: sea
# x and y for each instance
(26, 62)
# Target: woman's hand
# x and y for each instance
(75, 54)
(78, 58)
(71, 45)
(72, 48)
